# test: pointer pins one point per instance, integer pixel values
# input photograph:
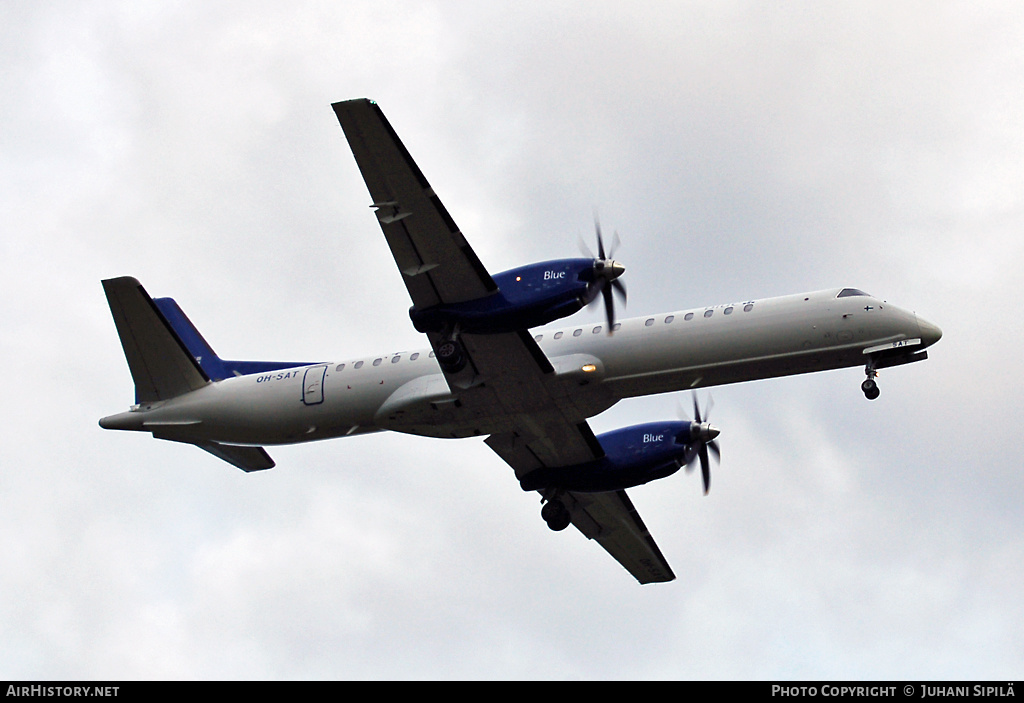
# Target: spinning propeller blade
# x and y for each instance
(606, 274)
(704, 434)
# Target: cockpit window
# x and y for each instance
(850, 292)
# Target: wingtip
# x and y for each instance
(129, 280)
(339, 103)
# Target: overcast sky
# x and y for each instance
(741, 150)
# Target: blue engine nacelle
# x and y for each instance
(633, 456)
(529, 296)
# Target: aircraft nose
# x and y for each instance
(930, 333)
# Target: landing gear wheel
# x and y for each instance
(870, 389)
(556, 515)
(451, 356)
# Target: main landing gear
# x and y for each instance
(870, 386)
(556, 515)
(450, 356)
(450, 353)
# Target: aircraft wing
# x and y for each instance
(509, 388)
(544, 430)
(437, 264)
(609, 518)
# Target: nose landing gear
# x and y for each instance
(870, 389)
(870, 386)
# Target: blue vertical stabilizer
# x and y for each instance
(214, 367)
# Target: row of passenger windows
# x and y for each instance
(649, 322)
(558, 335)
(380, 360)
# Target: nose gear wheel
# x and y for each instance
(870, 386)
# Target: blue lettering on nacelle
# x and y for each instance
(526, 297)
(633, 456)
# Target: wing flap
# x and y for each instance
(510, 372)
(538, 444)
(608, 518)
(611, 520)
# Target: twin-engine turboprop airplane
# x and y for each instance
(529, 393)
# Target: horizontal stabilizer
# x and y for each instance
(245, 458)
(159, 362)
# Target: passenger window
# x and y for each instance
(538, 338)
(341, 367)
(376, 362)
(414, 357)
(648, 322)
(728, 310)
(709, 313)
(668, 320)
(748, 307)
(616, 326)
(431, 355)
(396, 359)
(597, 330)
(688, 316)
(577, 333)
(359, 365)
(558, 335)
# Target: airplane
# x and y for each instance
(495, 368)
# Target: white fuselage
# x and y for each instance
(407, 392)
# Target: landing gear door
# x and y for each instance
(313, 385)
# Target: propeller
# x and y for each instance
(704, 433)
(606, 274)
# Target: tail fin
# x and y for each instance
(168, 357)
(198, 347)
(161, 365)
(213, 366)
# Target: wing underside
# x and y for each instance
(437, 264)
(611, 519)
(608, 518)
(508, 388)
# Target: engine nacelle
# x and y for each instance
(633, 456)
(529, 296)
